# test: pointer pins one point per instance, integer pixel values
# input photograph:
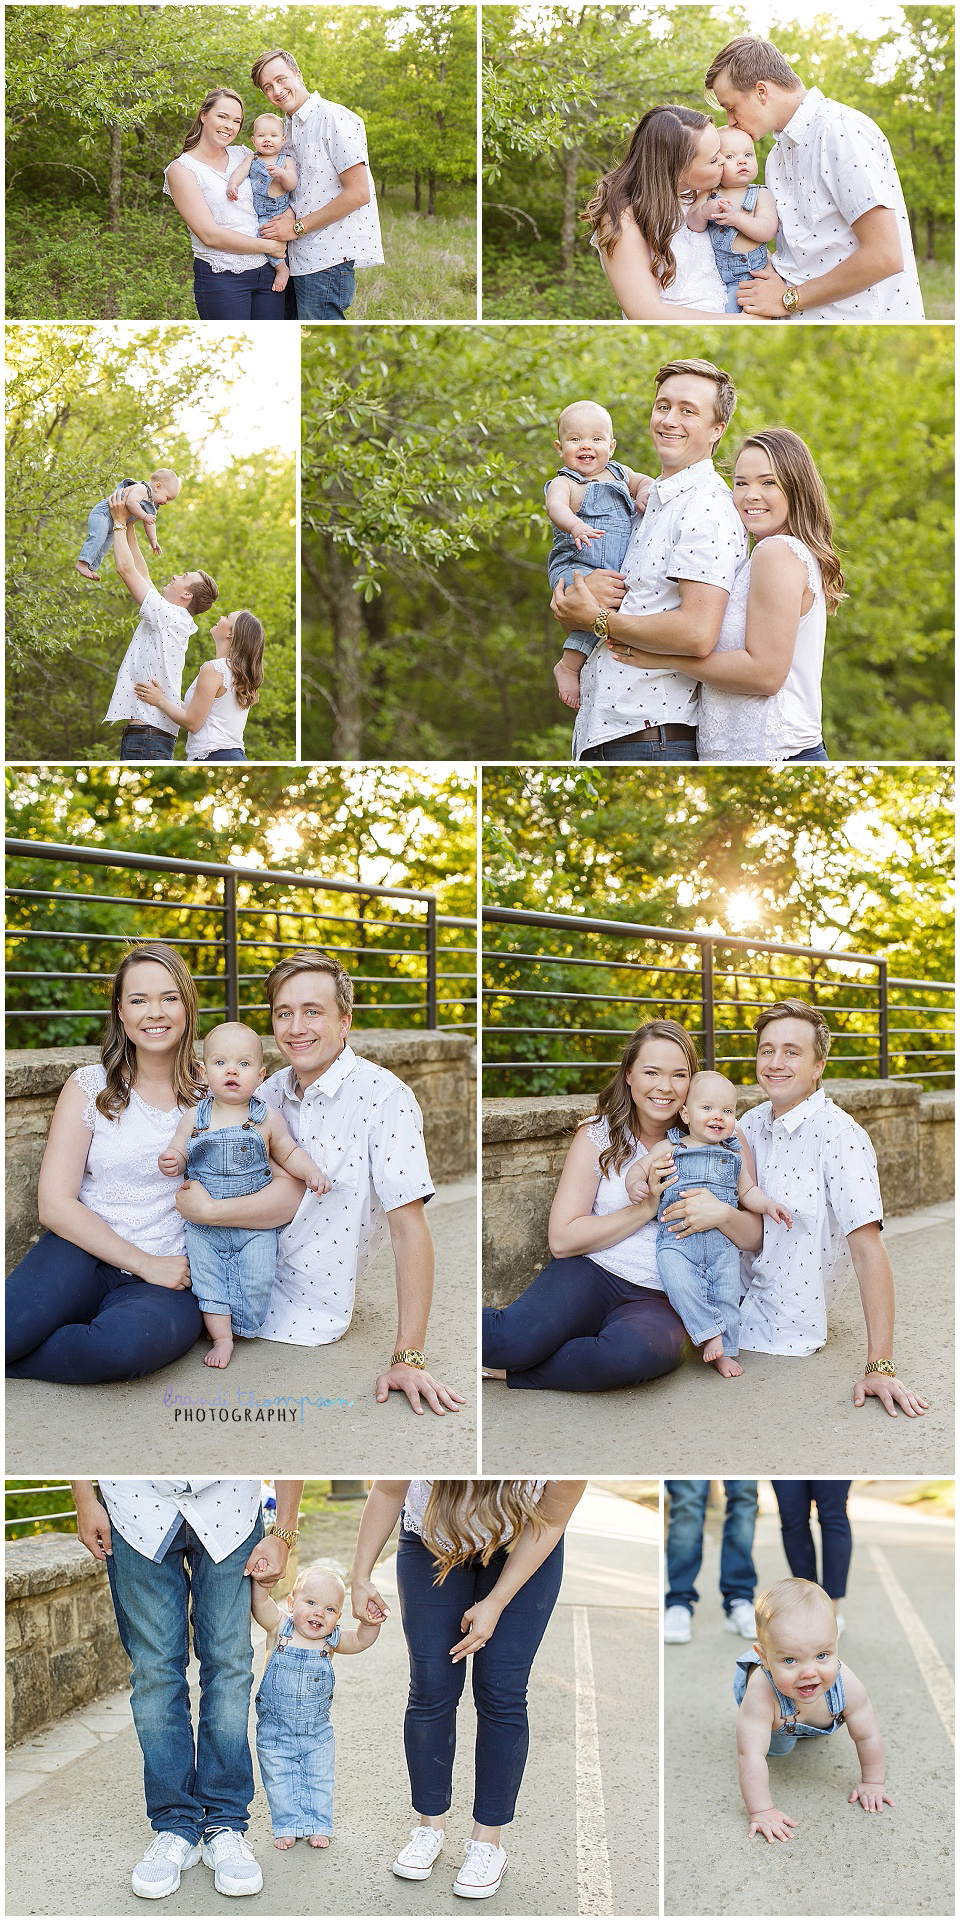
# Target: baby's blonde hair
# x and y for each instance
(319, 1567)
(275, 117)
(169, 478)
(578, 407)
(790, 1596)
(708, 1074)
(232, 1028)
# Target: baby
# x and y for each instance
(294, 1733)
(226, 1144)
(795, 1669)
(591, 503)
(701, 1275)
(270, 183)
(143, 498)
(737, 215)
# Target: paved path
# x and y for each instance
(796, 1416)
(138, 1428)
(898, 1639)
(585, 1837)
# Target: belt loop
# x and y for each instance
(661, 736)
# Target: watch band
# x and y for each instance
(601, 624)
(881, 1367)
(290, 1535)
(408, 1357)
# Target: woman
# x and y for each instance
(760, 688)
(795, 1500)
(597, 1317)
(658, 268)
(479, 1566)
(232, 276)
(215, 706)
(104, 1295)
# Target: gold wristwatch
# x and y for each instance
(601, 624)
(290, 1535)
(881, 1367)
(408, 1357)
(791, 299)
(298, 226)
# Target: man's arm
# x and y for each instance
(875, 1277)
(269, 1558)
(354, 193)
(413, 1258)
(135, 577)
(93, 1521)
(877, 255)
(691, 630)
(274, 1205)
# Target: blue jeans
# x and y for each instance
(701, 1277)
(236, 296)
(189, 1792)
(150, 744)
(794, 1499)
(688, 1507)
(580, 1328)
(643, 750)
(75, 1319)
(222, 753)
(99, 539)
(432, 1625)
(232, 1271)
(818, 753)
(325, 295)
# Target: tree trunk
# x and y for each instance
(113, 196)
(347, 661)
(416, 192)
(383, 190)
(568, 228)
(431, 193)
(931, 233)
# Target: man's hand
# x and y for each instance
(871, 1795)
(117, 504)
(695, 1212)
(762, 295)
(268, 1560)
(891, 1392)
(417, 1384)
(195, 1204)
(93, 1528)
(280, 227)
(578, 605)
(772, 1824)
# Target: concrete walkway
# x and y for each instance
(585, 1837)
(796, 1416)
(898, 1640)
(138, 1426)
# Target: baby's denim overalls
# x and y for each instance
(295, 1736)
(701, 1275)
(782, 1740)
(263, 206)
(606, 504)
(100, 526)
(734, 267)
(232, 1269)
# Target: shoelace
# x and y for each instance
(479, 1854)
(227, 1841)
(421, 1843)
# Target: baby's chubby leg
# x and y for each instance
(221, 1333)
(567, 676)
(724, 1363)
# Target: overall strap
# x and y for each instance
(256, 1112)
(202, 1122)
(750, 197)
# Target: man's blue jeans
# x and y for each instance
(637, 750)
(688, 1506)
(325, 295)
(149, 743)
(189, 1792)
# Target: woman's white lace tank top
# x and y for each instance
(767, 728)
(238, 214)
(225, 722)
(121, 1181)
(634, 1259)
(418, 1494)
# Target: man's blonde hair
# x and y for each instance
(797, 1011)
(748, 60)
(725, 400)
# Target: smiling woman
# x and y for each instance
(232, 274)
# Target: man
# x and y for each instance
(679, 568)
(159, 645)
(684, 1553)
(333, 226)
(180, 1552)
(364, 1128)
(821, 1165)
(844, 248)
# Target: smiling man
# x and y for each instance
(672, 593)
(159, 645)
(333, 226)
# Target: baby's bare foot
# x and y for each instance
(728, 1367)
(87, 572)
(319, 1840)
(568, 684)
(219, 1355)
(284, 1840)
(712, 1350)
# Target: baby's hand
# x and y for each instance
(158, 550)
(582, 534)
(721, 211)
(781, 1214)
(232, 191)
(169, 1162)
(871, 1795)
(636, 1182)
(318, 1181)
(642, 494)
(772, 1824)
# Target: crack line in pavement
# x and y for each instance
(594, 1881)
(936, 1675)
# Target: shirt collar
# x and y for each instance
(327, 1083)
(798, 127)
(668, 487)
(796, 1116)
(312, 101)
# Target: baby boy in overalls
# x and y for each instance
(591, 503)
(736, 212)
(793, 1672)
(701, 1274)
(232, 1269)
(143, 500)
(295, 1745)
(272, 181)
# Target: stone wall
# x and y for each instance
(440, 1069)
(62, 1645)
(525, 1141)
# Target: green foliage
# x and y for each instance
(424, 459)
(48, 1511)
(80, 417)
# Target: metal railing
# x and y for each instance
(400, 960)
(38, 1518)
(614, 977)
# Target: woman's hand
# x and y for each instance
(275, 248)
(366, 1603)
(479, 1624)
(165, 1270)
(152, 692)
(695, 1212)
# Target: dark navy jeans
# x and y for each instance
(432, 1625)
(236, 296)
(581, 1328)
(794, 1499)
(222, 753)
(688, 1506)
(75, 1319)
(189, 1791)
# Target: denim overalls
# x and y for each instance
(734, 267)
(701, 1275)
(232, 1269)
(782, 1740)
(263, 206)
(295, 1735)
(608, 504)
(99, 539)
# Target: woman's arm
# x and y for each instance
(627, 267)
(573, 1229)
(700, 1210)
(557, 1502)
(208, 689)
(60, 1209)
(380, 1515)
(184, 190)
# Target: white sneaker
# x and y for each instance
(677, 1623)
(742, 1619)
(482, 1870)
(236, 1868)
(841, 1623)
(159, 1871)
(415, 1861)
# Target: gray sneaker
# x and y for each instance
(158, 1873)
(742, 1619)
(236, 1869)
(677, 1623)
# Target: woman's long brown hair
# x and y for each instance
(245, 658)
(117, 1052)
(194, 133)
(808, 511)
(615, 1102)
(662, 147)
(471, 1520)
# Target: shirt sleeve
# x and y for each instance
(707, 547)
(850, 1178)
(398, 1158)
(856, 167)
(346, 140)
(151, 608)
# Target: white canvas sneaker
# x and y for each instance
(482, 1870)
(158, 1873)
(742, 1619)
(236, 1869)
(415, 1861)
(677, 1623)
